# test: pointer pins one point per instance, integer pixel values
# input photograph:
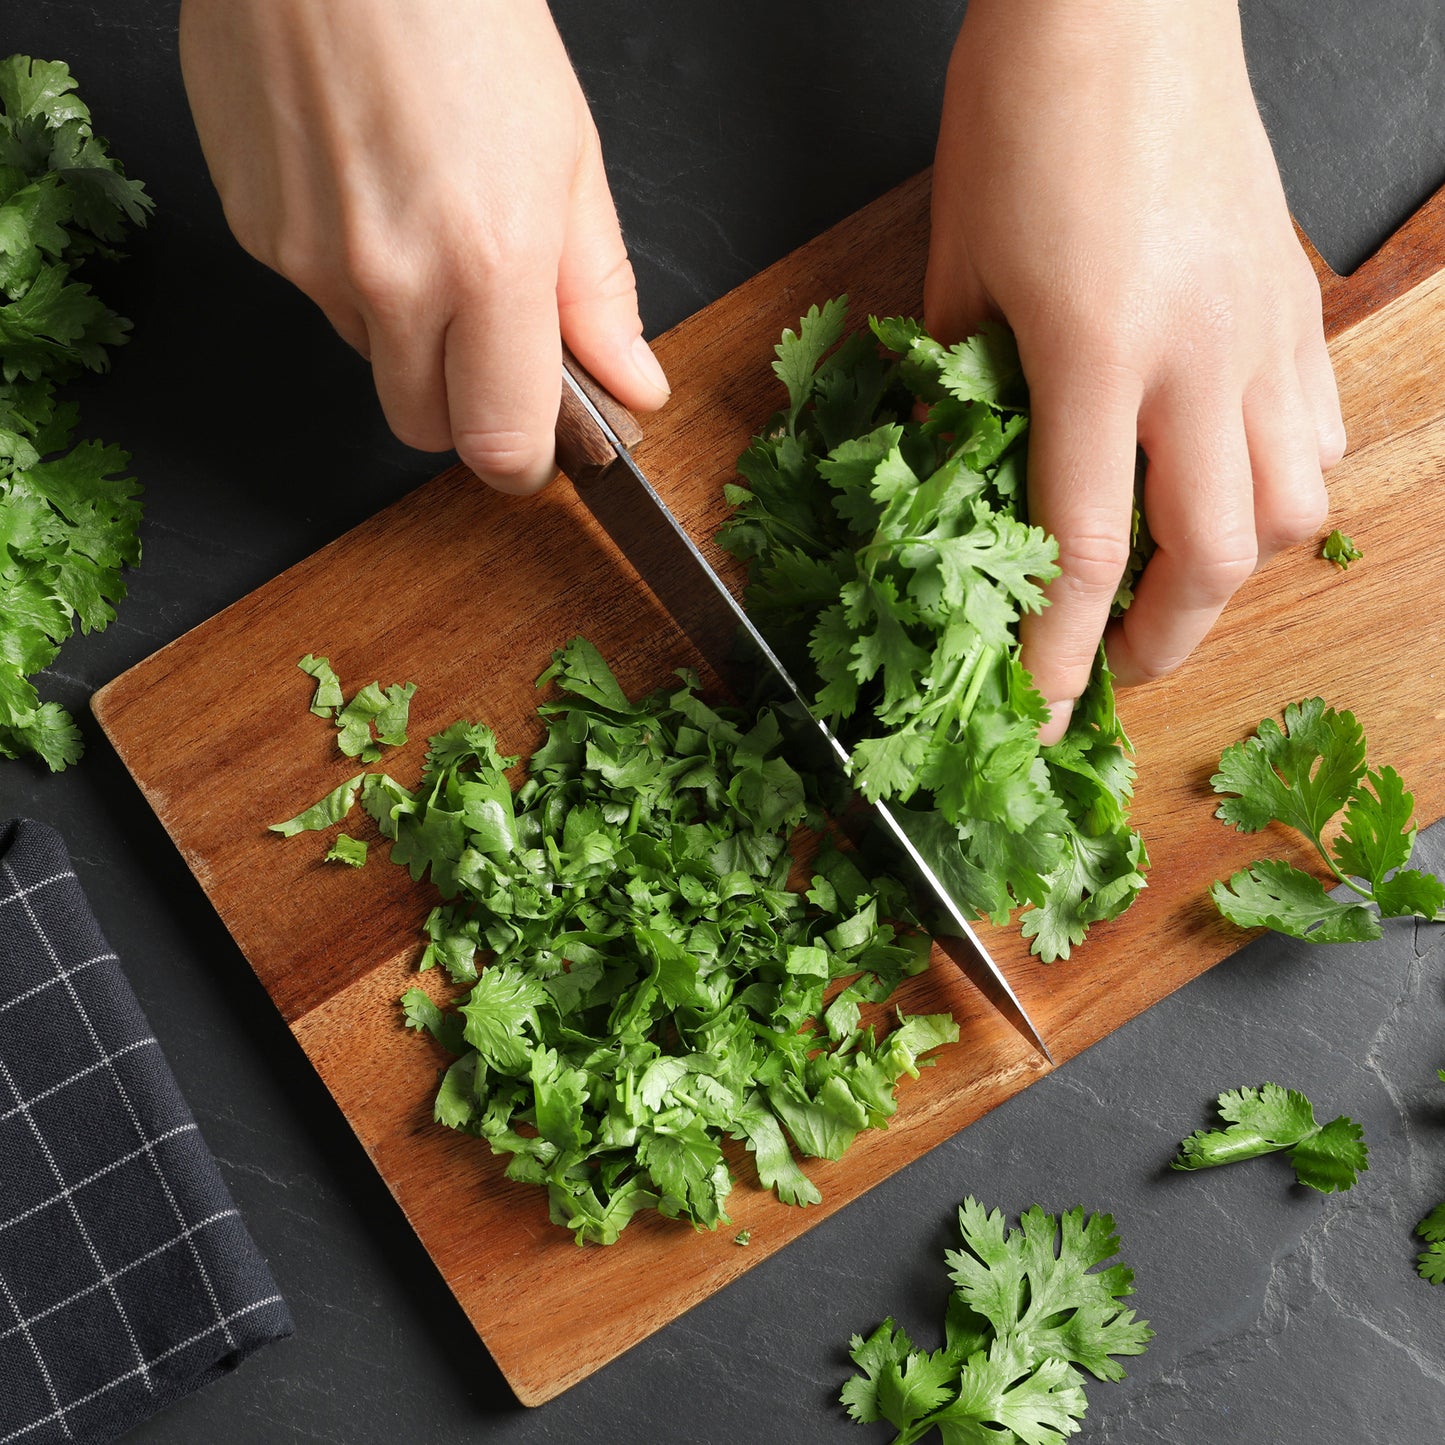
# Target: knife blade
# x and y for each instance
(595, 434)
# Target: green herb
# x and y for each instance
(1029, 1311)
(743, 1236)
(349, 850)
(1303, 776)
(890, 561)
(1431, 1262)
(68, 514)
(1340, 550)
(1327, 1157)
(386, 709)
(331, 809)
(652, 986)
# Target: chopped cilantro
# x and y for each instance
(347, 849)
(331, 809)
(890, 560)
(1340, 550)
(1303, 776)
(385, 709)
(743, 1236)
(1327, 1157)
(68, 514)
(1029, 1312)
(652, 986)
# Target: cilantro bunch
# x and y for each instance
(890, 560)
(68, 515)
(1304, 775)
(652, 986)
(1029, 1312)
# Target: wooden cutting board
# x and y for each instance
(466, 592)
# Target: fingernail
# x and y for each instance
(648, 366)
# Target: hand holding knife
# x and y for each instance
(594, 437)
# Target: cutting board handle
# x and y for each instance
(1414, 252)
(583, 447)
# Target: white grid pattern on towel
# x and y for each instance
(76, 1173)
(125, 1098)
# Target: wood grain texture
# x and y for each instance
(466, 592)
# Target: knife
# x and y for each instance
(594, 436)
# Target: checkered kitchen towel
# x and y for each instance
(127, 1278)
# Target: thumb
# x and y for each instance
(597, 294)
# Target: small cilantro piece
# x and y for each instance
(743, 1237)
(890, 561)
(1340, 550)
(386, 710)
(1029, 1310)
(347, 849)
(328, 686)
(68, 515)
(1304, 775)
(1269, 1119)
(641, 983)
(331, 809)
(1431, 1261)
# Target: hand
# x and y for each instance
(427, 171)
(1103, 183)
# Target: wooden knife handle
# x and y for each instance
(583, 448)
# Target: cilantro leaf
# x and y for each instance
(1305, 775)
(1431, 1261)
(1340, 550)
(800, 353)
(68, 519)
(1029, 1307)
(328, 686)
(348, 850)
(1269, 1119)
(331, 809)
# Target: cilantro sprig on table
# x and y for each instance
(1304, 775)
(1029, 1311)
(68, 514)
(1269, 1120)
(641, 984)
(890, 561)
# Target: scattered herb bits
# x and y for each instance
(1302, 775)
(1029, 1313)
(890, 560)
(640, 983)
(1269, 1120)
(1340, 550)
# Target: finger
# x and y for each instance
(406, 365)
(1322, 397)
(1290, 502)
(1199, 499)
(1081, 468)
(503, 370)
(597, 295)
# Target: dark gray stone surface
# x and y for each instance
(734, 132)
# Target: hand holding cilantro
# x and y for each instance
(1104, 183)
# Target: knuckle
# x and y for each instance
(1333, 443)
(1219, 573)
(1296, 519)
(1151, 666)
(1093, 561)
